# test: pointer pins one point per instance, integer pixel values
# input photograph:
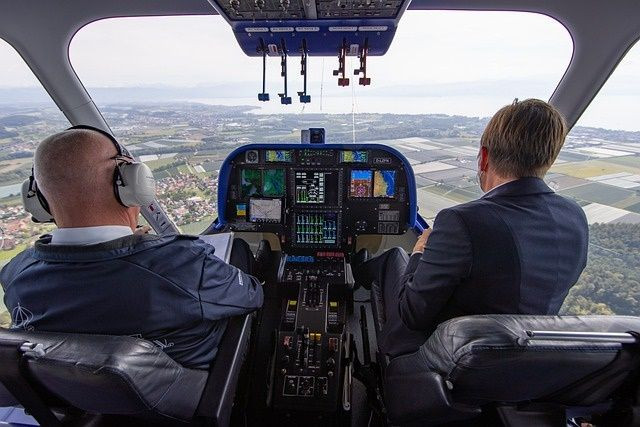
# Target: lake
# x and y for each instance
(10, 190)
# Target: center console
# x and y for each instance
(310, 342)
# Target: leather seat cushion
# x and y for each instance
(113, 374)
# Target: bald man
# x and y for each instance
(96, 274)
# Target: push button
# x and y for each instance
(290, 385)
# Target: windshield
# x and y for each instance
(179, 91)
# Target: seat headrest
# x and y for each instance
(491, 358)
(111, 374)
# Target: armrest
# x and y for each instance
(414, 393)
(216, 402)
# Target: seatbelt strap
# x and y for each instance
(13, 378)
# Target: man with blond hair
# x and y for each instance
(97, 274)
(516, 250)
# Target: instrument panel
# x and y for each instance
(317, 196)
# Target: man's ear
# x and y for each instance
(484, 159)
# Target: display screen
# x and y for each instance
(310, 187)
(317, 228)
(361, 183)
(278, 156)
(384, 183)
(251, 182)
(273, 183)
(354, 157)
(265, 210)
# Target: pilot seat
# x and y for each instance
(518, 370)
(78, 379)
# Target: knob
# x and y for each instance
(331, 362)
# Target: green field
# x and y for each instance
(5, 256)
(197, 227)
(591, 168)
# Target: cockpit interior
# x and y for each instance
(309, 204)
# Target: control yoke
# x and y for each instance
(341, 72)
(264, 96)
(304, 98)
(284, 98)
(364, 51)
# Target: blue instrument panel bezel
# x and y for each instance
(319, 43)
(225, 174)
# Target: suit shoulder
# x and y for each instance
(469, 208)
(568, 204)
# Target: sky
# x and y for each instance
(451, 62)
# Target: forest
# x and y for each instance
(610, 284)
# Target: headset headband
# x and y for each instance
(122, 151)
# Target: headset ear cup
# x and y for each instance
(34, 202)
(134, 184)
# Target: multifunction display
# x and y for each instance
(310, 186)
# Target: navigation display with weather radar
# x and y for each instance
(384, 183)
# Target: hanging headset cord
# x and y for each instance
(353, 109)
(321, 83)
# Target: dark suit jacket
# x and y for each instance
(517, 250)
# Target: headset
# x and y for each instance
(133, 183)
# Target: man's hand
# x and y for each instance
(422, 241)
(140, 230)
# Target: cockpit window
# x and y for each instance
(599, 167)
(181, 94)
(27, 115)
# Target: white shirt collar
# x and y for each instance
(497, 186)
(88, 235)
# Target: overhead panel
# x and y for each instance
(327, 26)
